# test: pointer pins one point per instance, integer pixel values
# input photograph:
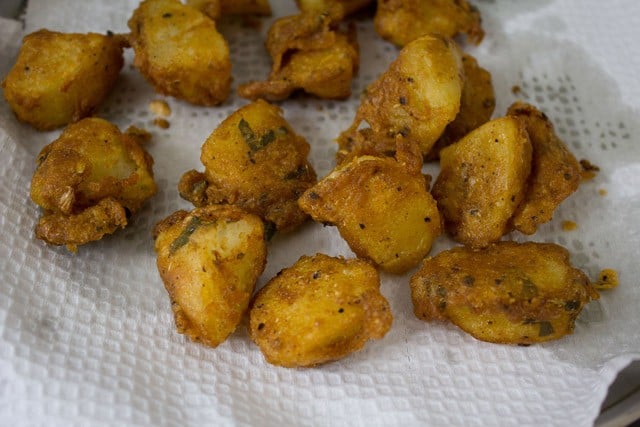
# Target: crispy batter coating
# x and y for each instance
(482, 181)
(318, 310)
(509, 293)
(88, 181)
(310, 54)
(59, 78)
(382, 208)
(180, 52)
(209, 260)
(215, 9)
(476, 105)
(255, 160)
(555, 172)
(338, 8)
(402, 21)
(417, 97)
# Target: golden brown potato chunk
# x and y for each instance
(255, 160)
(59, 78)
(482, 181)
(308, 53)
(339, 8)
(382, 208)
(319, 310)
(88, 181)
(402, 21)
(209, 260)
(555, 173)
(509, 293)
(476, 105)
(178, 49)
(215, 9)
(417, 97)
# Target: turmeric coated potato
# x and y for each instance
(209, 260)
(402, 21)
(509, 293)
(482, 181)
(180, 52)
(59, 78)
(89, 181)
(339, 8)
(309, 54)
(319, 310)
(417, 97)
(382, 208)
(555, 172)
(215, 9)
(255, 160)
(476, 105)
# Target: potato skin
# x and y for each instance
(555, 172)
(209, 260)
(381, 207)
(255, 160)
(59, 78)
(339, 8)
(402, 21)
(509, 293)
(318, 310)
(482, 181)
(417, 97)
(180, 52)
(308, 53)
(88, 181)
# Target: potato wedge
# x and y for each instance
(215, 9)
(318, 310)
(59, 78)
(509, 293)
(255, 160)
(417, 97)
(382, 208)
(482, 181)
(209, 260)
(555, 172)
(90, 163)
(180, 52)
(402, 21)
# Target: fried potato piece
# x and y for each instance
(339, 8)
(89, 181)
(482, 181)
(59, 78)
(381, 207)
(476, 105)
(255, 160)
(402, 21)
(180, 52)
(509, 293)
(215, 9)
(309, 54)
(319, 310)
(555, 172)
(210, 260)
(417, 97)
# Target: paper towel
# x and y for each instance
(89, 338)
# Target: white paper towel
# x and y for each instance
(89, 338)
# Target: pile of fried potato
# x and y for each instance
(434, 103)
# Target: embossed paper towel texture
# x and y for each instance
(89, 338)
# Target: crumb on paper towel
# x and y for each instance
(589, 170)
(160, 107)
(607, 279)
(515, 89)
(569, 225)
(161, 123)
(602, 192)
